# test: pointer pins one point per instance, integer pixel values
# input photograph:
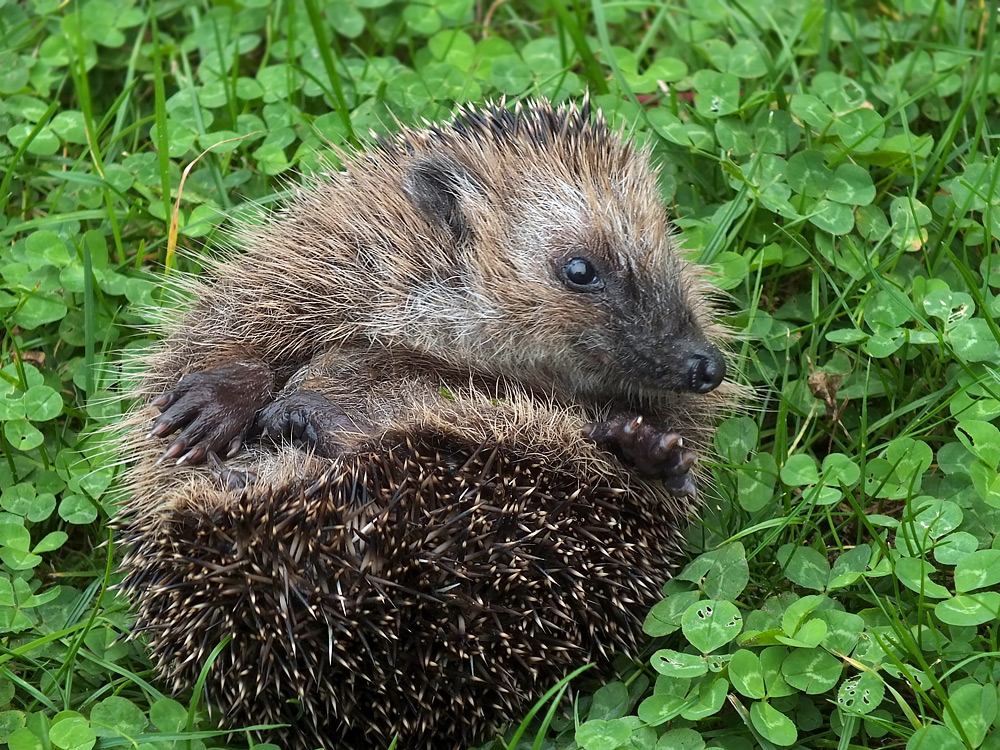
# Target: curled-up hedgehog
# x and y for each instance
(427, 442)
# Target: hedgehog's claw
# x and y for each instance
(234, 447)
(235, 480)
(665, 446)
(679, 463)
(193, 456)
(650, 450)
(163, 401)
(175, 449)
(160, 429)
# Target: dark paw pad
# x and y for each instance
(212, 409)
(649, 450)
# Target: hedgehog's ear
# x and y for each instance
(441, 190)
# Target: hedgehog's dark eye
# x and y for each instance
(581, 275)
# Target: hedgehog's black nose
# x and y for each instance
(706, 369)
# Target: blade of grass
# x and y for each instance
(590, 65)
(333, 76)
(162, 140)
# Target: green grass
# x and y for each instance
(834, 162)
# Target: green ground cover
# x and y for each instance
(834, 162)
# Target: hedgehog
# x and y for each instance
(427, 439)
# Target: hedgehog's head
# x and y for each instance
(562, 266)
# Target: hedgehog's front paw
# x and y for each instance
(649, 449)
(308, 420)
(213, 409)
(234, 480)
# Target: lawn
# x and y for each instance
(833, 162)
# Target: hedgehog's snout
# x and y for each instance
(706, 369)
